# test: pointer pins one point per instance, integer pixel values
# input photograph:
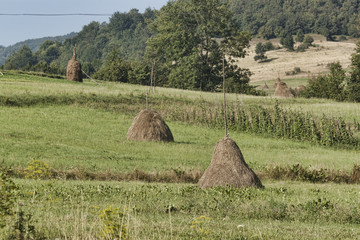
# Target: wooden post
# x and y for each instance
(223, 72)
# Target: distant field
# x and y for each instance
(312, 62)
(79, 131)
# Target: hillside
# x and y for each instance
(74, 174)
(311, 62)
(33, 44)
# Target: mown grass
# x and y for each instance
(68, 137)
(283, 210)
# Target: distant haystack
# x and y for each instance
(282, 90)
(276, 83)
(73, 71)
(265, 87)
(148, 125)
(299, 89)
(228, 167)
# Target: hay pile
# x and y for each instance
(228, 167)
(282, 90)
(299, 89)
(73, 70)
(276, 83)
(265, 87)
(148, 125)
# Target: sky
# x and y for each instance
(19, 28)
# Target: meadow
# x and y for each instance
(76, 132)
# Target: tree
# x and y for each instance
(308, 40)
(260, 52)
(114, 68)
(330, 86)
(186, 43)
(353, 85)
(20, 59)
(300, 35)
(336, 80)
(288, 42)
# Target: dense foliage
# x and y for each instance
(126, 32)
(277, 18)
(336, 85)
(33, 44)
(353, 85)
(188, 50)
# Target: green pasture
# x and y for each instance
(82, 127)
(67, 137)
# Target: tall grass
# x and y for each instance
(92, 210)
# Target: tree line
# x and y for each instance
(277, 18)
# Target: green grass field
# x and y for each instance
(82, 128)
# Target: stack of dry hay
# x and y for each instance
(228, 168)
(73, 71)
(148, 125)
(300, 89)
(265, 87)
(282, 90)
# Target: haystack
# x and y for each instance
(148, 125)
(73, 71)
(300, 89)
(265, 86)
(276, 82)
(228, 167)
(282, 90)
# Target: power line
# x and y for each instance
(54, 14)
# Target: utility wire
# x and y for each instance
(54, 14)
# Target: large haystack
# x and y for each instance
(73, 71)
(276, 82)
(148, 125)
(282, 90)
(299, 89)
(228, 167)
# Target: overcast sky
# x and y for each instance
(14, 29)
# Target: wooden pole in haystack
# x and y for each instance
(223, 72)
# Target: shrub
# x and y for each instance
(112, 219)
(308, 40)
(37, 169)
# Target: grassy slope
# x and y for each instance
(76, 136)
(92, 139)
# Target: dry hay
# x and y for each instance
(148, 125)
(282, 90)
(299, 89)
(265, 86)
(228, 167)
(276, 83)
(73, 70)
